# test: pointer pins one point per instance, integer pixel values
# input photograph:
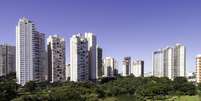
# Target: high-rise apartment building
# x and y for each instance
(179, 60)
(109, 67)
(56, 58)
(115, 71)
(137, 68)
(29, 51)
(24, 51)
(170, 62)
(68, 72)
(79, 58)
(198, 68)
(158, 63)
(7, 59)
(93, 70)
(127, 66)
(99, 63)
(39, 56)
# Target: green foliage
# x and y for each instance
(65, 94)
(31, 98)
(136, 88)
(8, 88)
(199, 86)
(181, 85)
(149, 87)
(30, 86)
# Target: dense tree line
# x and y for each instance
(141, 88)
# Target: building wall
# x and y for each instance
(79, 58)
(198, 68)
(115, 71)
(56, 58)
(138, 68)
(30, 52)
(180, 60)
(99, 62)
(170, 62)
(24, 54)
(93, 69)
(127, 66)
(109, 67)
(158, 63)
(39, 56)
(68, 70)
(7, 59)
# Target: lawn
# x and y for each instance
(120, 98)
(131, 98)
(187, 98)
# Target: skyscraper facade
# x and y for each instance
(137, 68)
(7, 59)
(92, 44)
(158, 63)
(170, 62)
(29, 52)
(115, 71)
(180, 60)
(39, 56)
(68, 72)
(79, 58)
(109, 67)
(198, 68)
(99, 63)
(126, 66)
(56, 59)
(24, 52)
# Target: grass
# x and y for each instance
(110, 99)
(187, 98)
(175, 98)
(120, 98)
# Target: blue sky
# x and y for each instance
(133, 28)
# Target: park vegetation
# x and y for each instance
(140, 88)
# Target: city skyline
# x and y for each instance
(130, 26)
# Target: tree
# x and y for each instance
(65, 94)
(199, 86)
(30, 86)
(8, 90)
